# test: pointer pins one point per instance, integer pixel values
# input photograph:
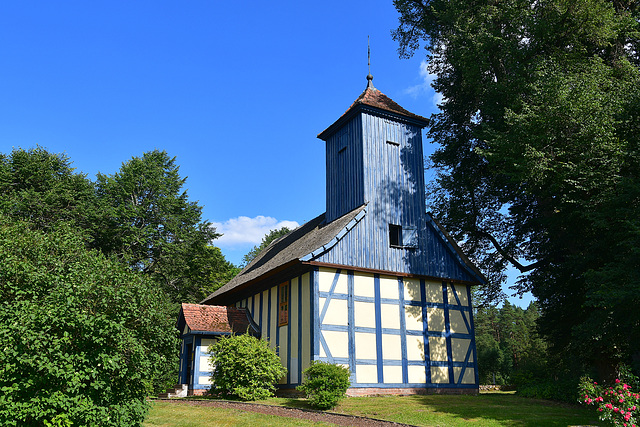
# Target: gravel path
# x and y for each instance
(280, 411)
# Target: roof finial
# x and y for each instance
(369, 76)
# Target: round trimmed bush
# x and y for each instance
(245, 367)
(325, 384)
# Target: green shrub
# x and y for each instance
(83, 339)
(325, 384)
(245, 367)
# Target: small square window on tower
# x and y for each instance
(395, 235)
(283, 312)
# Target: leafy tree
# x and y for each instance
(538, 164)
(266, 241)
(84, 338)
(245, 367)
(508, 343)
(150, 224)
(43, 189)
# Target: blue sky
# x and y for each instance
(237, 91)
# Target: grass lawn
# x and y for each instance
(486, 409)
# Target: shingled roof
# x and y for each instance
(217, 320)
(372, 97)
(310, 239)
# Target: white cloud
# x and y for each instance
(425, 86)
(243, 231)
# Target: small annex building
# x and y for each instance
(200, 326)
(374, 283)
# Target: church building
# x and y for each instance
(374, 283)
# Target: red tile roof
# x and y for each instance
(372, 97)
(217, 319)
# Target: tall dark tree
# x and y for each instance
(150, 224)
(538, 164)
(43, 189)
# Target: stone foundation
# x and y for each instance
(198, 392)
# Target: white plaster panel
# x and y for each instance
(391, 347)
(412, 289)
(366, 374)
(390, 316)
(306, 322)
(263, 332)
(363, 285)
(365, 314)
(204, 380)
(459, 349)
(337, 313)
(415, 347)
(294, 370)
(365, 345)
(204, 364)
(433, 291)
(274, 315)
(439, 374)
(206, 342)
(326, 276)
(461, 290)
(392, 374)
(282, 330)
(435, 319)
(338, 343)
(389, 287)
(413, 318)
(417, 374)
(469, 376)
(456, 322)
(438, 349)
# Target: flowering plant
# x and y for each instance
(617, 404)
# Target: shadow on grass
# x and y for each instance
(509, 410)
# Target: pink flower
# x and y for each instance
(620, 400)
(595, 383)
(608, 406)
(600, 409)
(617, 381)
(616, 410)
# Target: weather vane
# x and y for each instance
(369, 76)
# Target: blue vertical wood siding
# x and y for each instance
(378, 160)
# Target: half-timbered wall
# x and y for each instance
(390, 331)
(293, 340)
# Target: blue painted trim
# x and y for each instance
(351, 325)
(403, 332)
(289, 334)
(387, 331)
(196, 363)
(329, 295)
(472, 331)
(378, 315)
(337, 238)
(425, 334)
(447, 328)
(329, 357)
(466, 362)
(315, 314)
(299, 329)
(394, 301)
